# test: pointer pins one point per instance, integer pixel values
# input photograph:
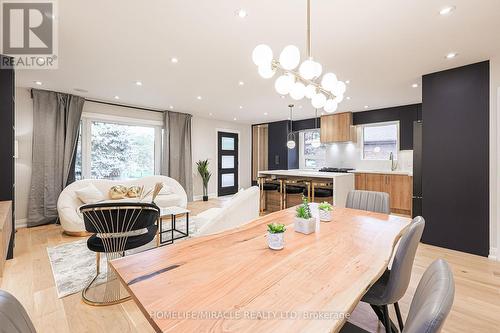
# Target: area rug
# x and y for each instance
(74, 265)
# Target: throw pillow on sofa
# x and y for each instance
(118, 192)
(89, 194)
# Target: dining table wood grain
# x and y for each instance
(232, 281)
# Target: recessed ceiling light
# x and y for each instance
(300, 106)
(138, 83)
(288, 118)
(234, 118)
(210, 114)
(322, 113)
(366, 106)
(282, 96)
(348, 98)
(38, 83)
(171, 107)
(241, 83)
(241, 13)
(451, 55)
(117, 97)
(199, 98)
(447, 10)
(241, 107)
(265, 113)
(415, 85)
(174, 60)
(348, 81)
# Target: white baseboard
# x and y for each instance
(21, 223)
(493, 254)
(200, 197)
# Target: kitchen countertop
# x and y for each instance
(385, 172)
(304, 173)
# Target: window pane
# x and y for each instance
(78, 158)
(121, 151)
(227, 143)
(227, 162)
(380, 141)
(314, 153)
(228, 180)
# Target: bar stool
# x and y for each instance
(293, 187)
(321, 191)
(266, 185)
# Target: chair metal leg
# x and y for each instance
(398, 314)
(387, 319)
(98, 262)
(379, 311)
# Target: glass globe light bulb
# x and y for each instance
(262, 55)
(318, 69)
(284, 84)
(266, 71)
(310, 91)
(318, 101)
(330, 106)
(339, 88)
(290, 144)
(289, 57)
(307, 69)
(339, 98)
(298, 90)
(328, 81)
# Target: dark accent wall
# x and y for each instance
(277, 151)
(455, 158)
(405, 114)
(7, 142)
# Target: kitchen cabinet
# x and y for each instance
(399, 188)
(337, 128)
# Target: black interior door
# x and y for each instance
(227, 166)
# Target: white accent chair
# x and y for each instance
(68, 203)
(241, 209)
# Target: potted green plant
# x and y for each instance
(205, 176)
(276, 236)
(304, 221)
(325, 211)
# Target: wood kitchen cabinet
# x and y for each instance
(399, 188)
(337, 128)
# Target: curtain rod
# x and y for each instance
(123, 105)
(115, 104)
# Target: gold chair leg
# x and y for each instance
(313, 186)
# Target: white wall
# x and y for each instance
(494, 157)
(24, 131)
(204, 146)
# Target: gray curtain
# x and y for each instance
(56, 122)
(176, 154)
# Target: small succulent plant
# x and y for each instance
(303, 211)
(275, 228)
(325, 206)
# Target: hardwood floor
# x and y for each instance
(29, 277)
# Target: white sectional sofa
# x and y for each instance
(68, 203)
(241, 209)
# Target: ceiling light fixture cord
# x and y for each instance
(309, 44)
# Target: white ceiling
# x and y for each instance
(382, 47)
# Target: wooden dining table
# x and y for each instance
(232, 281)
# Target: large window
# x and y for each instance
(379, 141)
(117, 149)
(311, 155)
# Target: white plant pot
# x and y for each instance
(325, 215)
(276, 241)
(305, 226)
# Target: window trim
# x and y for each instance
(384, 123)
(89, 117)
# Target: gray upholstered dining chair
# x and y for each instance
(431, 303)
(392, 285)
(368, 200)
(13, 316)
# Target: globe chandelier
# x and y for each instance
(326, 93)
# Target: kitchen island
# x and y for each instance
(342, 182)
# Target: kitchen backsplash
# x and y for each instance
(348, 155)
